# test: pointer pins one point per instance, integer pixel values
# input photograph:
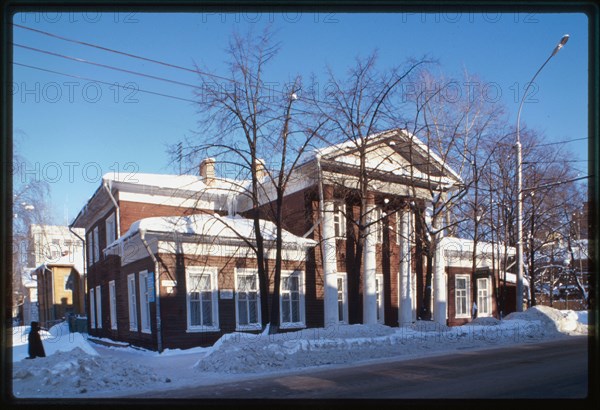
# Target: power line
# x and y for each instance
(561, 142)
(122, 53)
(112, 84)
(102, 82)
(81, 60)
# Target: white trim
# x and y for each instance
(113, 304)
(98, 307)
(467, 297)
(251, 326)
(214, 289)
(343, 276)
(380, 297)
(301, 323)
(92, 308)
(145, 323)
(132, 302)
(488, 298)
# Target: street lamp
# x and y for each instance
(519, 298)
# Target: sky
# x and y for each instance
(73, 129)
(76, 367)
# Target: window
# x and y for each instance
(113, 304)
(339, 220)
(111, 232)
(483, 297)
(379, 298)
(292, 299)
(144, 301)
(98, 307)
(90, 255)
(342, 298)
(133, 325)
(247, 299)
(202, 308)
(92, 309)
(96, 245)
(461, 294)
(378, 225)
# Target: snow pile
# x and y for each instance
(552, 320)
(343, 344)
(56, 339)
(68, 374)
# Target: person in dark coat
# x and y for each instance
(36, 348)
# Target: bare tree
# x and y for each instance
(359, 106)
(455, 122)
(243, 119)
(31, 196)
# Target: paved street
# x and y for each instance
(557, 369)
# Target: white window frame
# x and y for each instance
(111, 229)
(380, 298)
(145, 323)
(339, 219)
(484, 299)
(98, 307)
(301, 303)
(96, 245)
(90, 249)
(132, 302)
(213, 272)
(113, 304)
(92, 308)
(250, 326)
(467, 296)
(342, 297)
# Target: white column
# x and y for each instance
(369, 268)
(405, 315)
(329, 265)
(440, 304)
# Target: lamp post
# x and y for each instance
(519, 297)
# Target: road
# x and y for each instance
(557, 369)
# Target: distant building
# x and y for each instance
(56, 284)
(50, 242)
(60, 288)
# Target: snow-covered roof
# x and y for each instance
(214, 227)
(177, 182)
(450, 177)
(466, 245)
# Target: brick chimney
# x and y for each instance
(207, 170)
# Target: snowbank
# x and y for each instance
(74, 369)
(550, 319)
(56, 339)
(67, 374)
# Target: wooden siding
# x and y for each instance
(134, 211)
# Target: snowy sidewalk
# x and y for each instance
(77, 368)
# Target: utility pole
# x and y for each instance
(519, 180)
